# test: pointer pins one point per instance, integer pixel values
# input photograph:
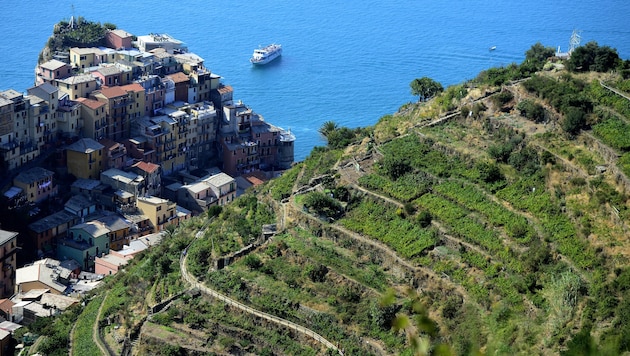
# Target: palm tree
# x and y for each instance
(327, 128)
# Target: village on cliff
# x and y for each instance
(111, 146)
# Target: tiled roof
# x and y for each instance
(94, 228)
(146, 166)
(92, 104)
(225, 89)
(33, 175)
(112, 92)
(51, 221)
(85, 145)
(179, 77)
(132, 87)
(47, 87)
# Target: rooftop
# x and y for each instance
(60, 302)
(78, 202)
(6, 236)
(121, 33)
(113, 259)
(33, 175)
(44, 271)
(93, 228)
(132, 87)
(52, 64)
(179, 77)
(92, 104)
(52, 221)
(114, 222)
(122, 176)
(220, 179)
(85, 50)
(85, 145)
(46, 87)
(87, 184)
(147, 166)
(112, 92)
(153, 200)
(77, 79)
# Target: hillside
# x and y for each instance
(490, 219)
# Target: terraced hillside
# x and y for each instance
(492, 219)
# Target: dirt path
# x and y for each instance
(96, 336)
(282, 322)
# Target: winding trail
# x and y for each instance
(286, 323)
(96, 336)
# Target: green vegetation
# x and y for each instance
(80, 33)
(83, 338)
(494, 222)
(425, 88)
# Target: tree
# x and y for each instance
(538, 55)
(593, 57)
(327, 128)
(395, 166)
(574, 120)
(425, 88)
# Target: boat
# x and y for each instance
(493, 48)
(266, 54)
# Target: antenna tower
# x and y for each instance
(574, 42)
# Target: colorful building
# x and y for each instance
(85, 159)
(8, 248)
(37, 184)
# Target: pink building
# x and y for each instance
(116, 260)
(118, 39)
(47, 72)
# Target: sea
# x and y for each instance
(350, 62)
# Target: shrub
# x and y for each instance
(531, 110)
(424, 218)
(322, 204)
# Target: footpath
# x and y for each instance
(286, 323)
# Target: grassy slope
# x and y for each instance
(529, 260)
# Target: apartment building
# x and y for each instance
(84, 242)
(114, 154)
(42, 234)
(51, 70)
(44, 102)
(69, 123)
(94, 118)
(118, 38)
(15, 141)
(77, 86)
(85, 158)
(161, 212)
(8, 248)
(37, 184)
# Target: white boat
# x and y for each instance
(493, 48)
(266, 54)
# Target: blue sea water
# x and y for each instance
(346, 61)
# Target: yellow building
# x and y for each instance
(85, 159)
(83, 58)
(161, 212)
(37, 184)
(94, 118)
(77, 86)
(8, 248)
